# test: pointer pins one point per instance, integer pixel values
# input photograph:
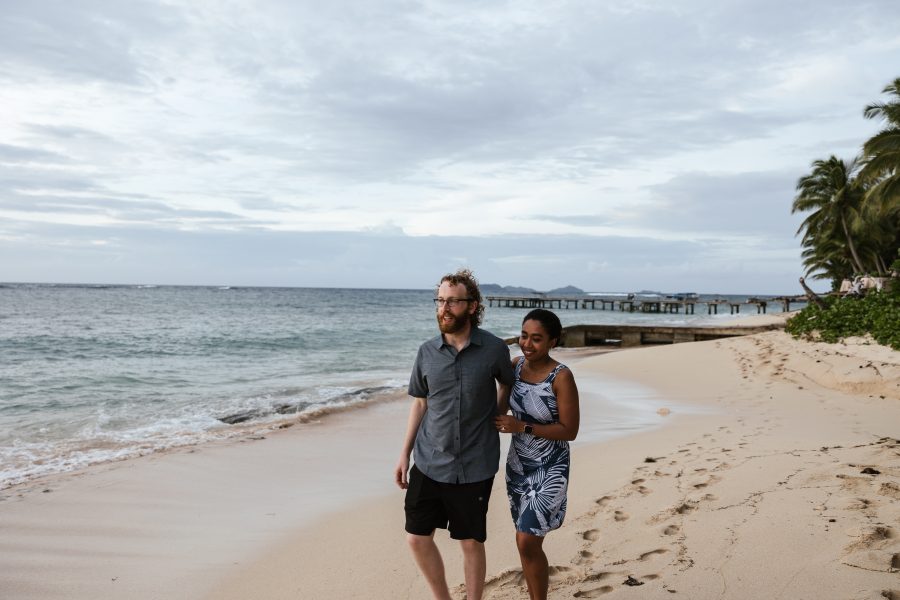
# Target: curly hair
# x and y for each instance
(467, 278)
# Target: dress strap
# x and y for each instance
(549, 379)
(554, 372)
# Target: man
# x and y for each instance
(450, 431)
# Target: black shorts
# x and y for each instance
(459, 507)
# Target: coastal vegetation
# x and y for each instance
(876, 314)
(853, 222)
(851, 231)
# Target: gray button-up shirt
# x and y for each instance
(457, 441)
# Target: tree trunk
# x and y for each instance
(856, 262)
(811, 295)
(882, 268)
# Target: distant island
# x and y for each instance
(509, 290)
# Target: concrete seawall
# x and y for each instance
(638, 335)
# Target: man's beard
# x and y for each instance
(457, 324)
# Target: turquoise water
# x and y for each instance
(96, 373)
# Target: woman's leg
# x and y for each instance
(534, 564)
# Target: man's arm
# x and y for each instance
(416, 413)
(503, 391)
(505, 376)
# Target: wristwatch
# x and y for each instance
(528, 429)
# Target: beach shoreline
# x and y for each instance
(761, 495)
(737, 503)
(87, 385)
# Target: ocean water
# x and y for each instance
(90, 373)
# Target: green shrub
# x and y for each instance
(876, 313)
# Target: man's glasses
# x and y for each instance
(451, 302)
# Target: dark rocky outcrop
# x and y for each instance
(288, 408)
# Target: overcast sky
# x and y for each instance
(616, 145)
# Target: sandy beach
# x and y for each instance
(775, 474)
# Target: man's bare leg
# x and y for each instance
(428, 557)
(475, 565)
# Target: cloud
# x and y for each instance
(577, 220)
(89, 40)
(738, 203)
(11, 154)
(681, 126)
(135, 254)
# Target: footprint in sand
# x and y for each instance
(889, 489)
(559, 573)
(870, 549)
(671, 530)
(603, 501)
(685, 508)
(652, 553)
(890, 594)
(591, 535)
(584, 557)
(857, 504)
(510, 577)
(872, 560)
(620, 516)
(598, 576)
(854, 484)
(594, 593)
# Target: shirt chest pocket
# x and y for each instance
(441, 377)
(476, 375)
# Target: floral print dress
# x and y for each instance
(537, 470)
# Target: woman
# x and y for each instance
(544, 403)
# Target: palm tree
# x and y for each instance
(827, 259)
(882, 151)
(834, 195)
(882, 174)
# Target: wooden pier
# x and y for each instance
(639, 335)
(646, 305)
